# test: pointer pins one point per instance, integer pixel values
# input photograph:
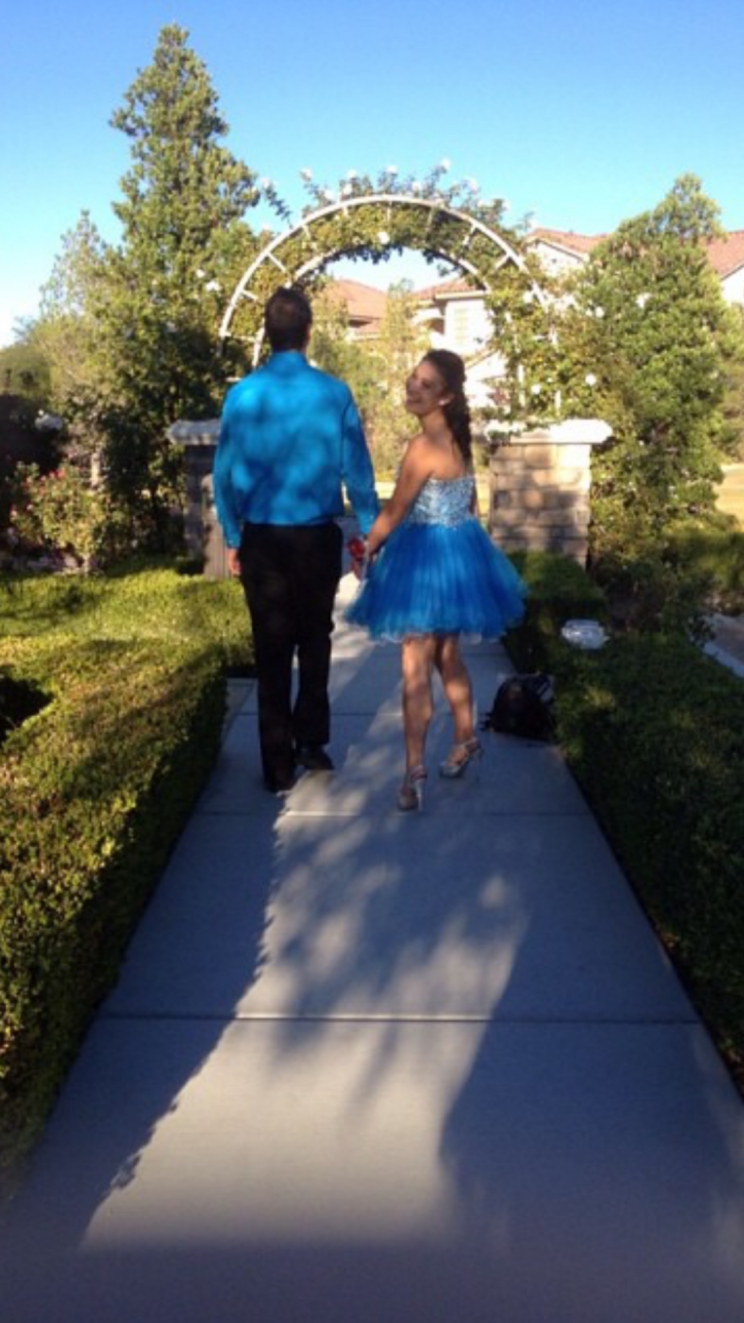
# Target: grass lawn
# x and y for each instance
(731, 491)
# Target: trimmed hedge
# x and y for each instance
(559, 590)
(18, 702)
(719, 555)
(94, 790)
(143, 601)
(654, 732)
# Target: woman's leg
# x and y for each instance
(417, 660)
(456, 684)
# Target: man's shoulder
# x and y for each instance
(246, 386)
(327, 382)
(239, 386)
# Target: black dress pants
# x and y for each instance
(290, 575)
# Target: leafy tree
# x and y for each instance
(333, 348)
(183, 241)
(732, 439)
(648, 343)
(67, 330)
(375, 369)
(24, 371)
(397, 348)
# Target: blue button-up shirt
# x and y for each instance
(290, 440)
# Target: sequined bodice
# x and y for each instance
(443, 501)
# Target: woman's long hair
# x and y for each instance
(457, 412)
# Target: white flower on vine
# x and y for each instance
(213, 285)
(266, 182)
(329, 195)
(383, 236)
(200, 274)
(536, 388)
(599, 312)
(416, 186)
(346, 190)
(528, 296)
(642, 300)
(351, 174)
(590, 379)
(445, 164)
(306, 173)
(392, 170)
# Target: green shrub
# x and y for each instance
(651, 591)
(718, 554)
(63, 512)
(94, 790)
(559, 590)
(18, 702)
(654, 733)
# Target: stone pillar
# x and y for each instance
(202, 530)
(539, 488)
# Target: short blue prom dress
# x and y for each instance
(439, 572)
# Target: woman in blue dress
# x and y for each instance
(433, 576)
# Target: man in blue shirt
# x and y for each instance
(290, 440)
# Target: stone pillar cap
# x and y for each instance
(588, 431)
(572, 431)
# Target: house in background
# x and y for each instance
(457, 318)
(727, 259)
(562, 251)
(365, 306)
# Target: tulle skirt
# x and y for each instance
(441, 579)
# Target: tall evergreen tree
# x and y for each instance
(66, 330)
(183, 241)
(648, 343)
(334, 349)
(397, 348)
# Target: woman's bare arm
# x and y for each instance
(415, 468)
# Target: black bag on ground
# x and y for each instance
(523, 706)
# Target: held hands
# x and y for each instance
(357, 549)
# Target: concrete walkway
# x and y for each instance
(727, 644)
(366, 1067)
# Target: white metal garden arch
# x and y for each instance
(277, 254)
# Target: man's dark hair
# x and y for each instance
(288, 318)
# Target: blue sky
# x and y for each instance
(583, 112)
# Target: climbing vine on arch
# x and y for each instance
(368, 218)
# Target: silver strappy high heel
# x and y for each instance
(461, 756)
(411, 793)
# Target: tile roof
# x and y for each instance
(727, 254)
(579, 243)
(363, 302)
(456, 285)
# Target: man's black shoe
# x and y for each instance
(313, 758)
(280, 784)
